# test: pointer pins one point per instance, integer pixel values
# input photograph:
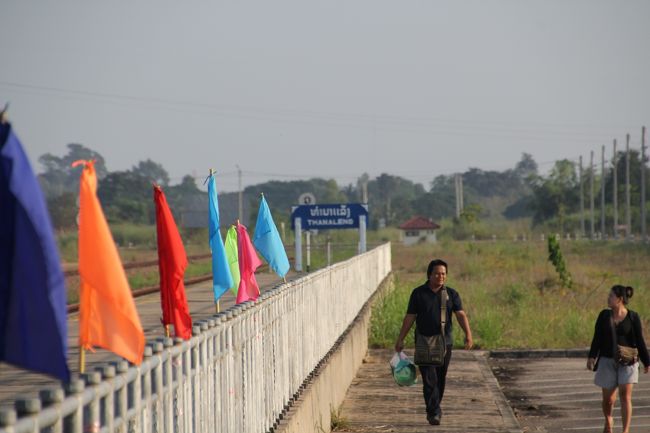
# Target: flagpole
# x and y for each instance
(218, 307)
(82, 360)
(167, 331)
(3, 114)
(216, 304)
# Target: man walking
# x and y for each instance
(425, 310)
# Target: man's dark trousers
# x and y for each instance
(433, 384)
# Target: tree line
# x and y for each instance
(520, 192)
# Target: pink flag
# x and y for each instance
(248, 262)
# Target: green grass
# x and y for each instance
(511, 292)
(337, 421)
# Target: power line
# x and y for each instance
(440, 126)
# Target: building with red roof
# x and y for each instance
(418, 229)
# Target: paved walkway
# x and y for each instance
(17, 383)
(558, 395)
(473, 401)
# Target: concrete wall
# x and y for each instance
(312, 409)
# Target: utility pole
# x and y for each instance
(462, 199)
(365, 191)
(643, 226)
(456, 189)
(591, 194)
(582, 199)
(615, 192)
(602, 192)
(458, 182)
(628, 216)
(241, 198)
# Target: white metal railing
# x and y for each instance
(236, 374)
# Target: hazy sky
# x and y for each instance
(293, 89)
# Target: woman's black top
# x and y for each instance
(628, 333)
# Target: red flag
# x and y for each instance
(107, 314)
(248, 262)
(172, 262)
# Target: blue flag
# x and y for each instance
(267, 241)
(221, 277)
(33, 329)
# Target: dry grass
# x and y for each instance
(512, 293)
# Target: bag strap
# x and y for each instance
(613, 328)
(631, 314)
(443, 310)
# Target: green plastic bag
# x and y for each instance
(404, 372)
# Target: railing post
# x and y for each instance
(209, 382)
(121, 397)
(201, 378)
(246, 358)
(73, 423)
(195, 394)
(8, 419)
(168, 386)
(237, 339)
(145, 396)
(49, 398)
(92, 422)
(218, 365)
(188, 370)
(178, 398)
(29, 407)
(107, 406)
(157, 417)
(230, 376)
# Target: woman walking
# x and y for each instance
(618, 332)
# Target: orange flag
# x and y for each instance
(107, 314)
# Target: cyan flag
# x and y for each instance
(221, 277)
(267, 241)
(33, 330)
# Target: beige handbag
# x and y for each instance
(626, 355)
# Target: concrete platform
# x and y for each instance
(473, 401)
(557, 394)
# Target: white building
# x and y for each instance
(418, 229)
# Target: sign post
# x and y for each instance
(362, 234)
(298, 229)
(308, 244)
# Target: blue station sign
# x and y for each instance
(329, 216)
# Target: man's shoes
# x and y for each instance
(434, 419)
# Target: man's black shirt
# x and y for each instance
(425, 304)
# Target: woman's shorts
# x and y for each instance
(610, 375)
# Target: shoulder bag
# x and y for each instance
(431, 350)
